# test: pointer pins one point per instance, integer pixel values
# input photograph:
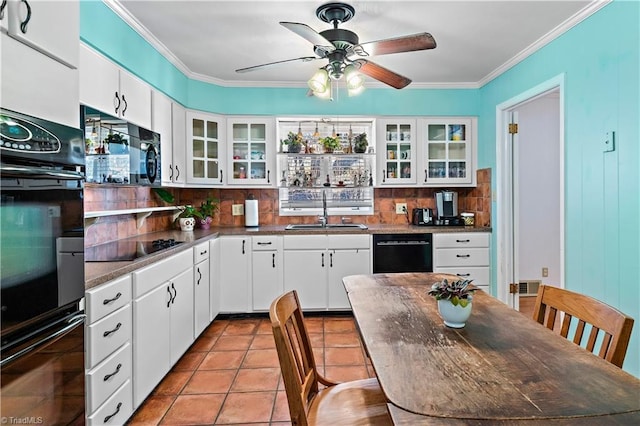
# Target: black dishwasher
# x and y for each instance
(402, 253)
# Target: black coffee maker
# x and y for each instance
(447, 208)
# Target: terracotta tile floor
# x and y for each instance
(231, 374)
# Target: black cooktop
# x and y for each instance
(121, 251)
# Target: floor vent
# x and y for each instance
(529, 288)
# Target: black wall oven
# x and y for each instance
(402, 253)
(41, 266)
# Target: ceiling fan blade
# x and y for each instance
(256, 67)
(411, 43)
(382, 74)
(309, 34)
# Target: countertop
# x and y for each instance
(97, 273)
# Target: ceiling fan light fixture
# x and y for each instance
(318, 81)
(353, 78)
(356, 91)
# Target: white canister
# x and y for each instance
(251, 212)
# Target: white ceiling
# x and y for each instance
(476, 40)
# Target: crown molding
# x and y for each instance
(565, 26)
(574, 20)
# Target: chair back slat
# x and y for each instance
(616, 325)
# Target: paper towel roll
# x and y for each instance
(251, 213)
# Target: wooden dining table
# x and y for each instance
(501, 368)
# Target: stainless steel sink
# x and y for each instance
(303, 226)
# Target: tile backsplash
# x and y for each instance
(107, 228)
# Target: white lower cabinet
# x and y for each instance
(201, 301)
(235, 274)
(163, 319)
(314, 265)
(108, 361)
(267, 271)
(465, 254)
(214, 278)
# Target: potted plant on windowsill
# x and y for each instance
(293, 142)
(454, 301)
(330, 144)
(360, 143)
(187, 217)
(208, 209)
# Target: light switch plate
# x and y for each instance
(610, 141)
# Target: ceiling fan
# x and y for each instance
(343, 50)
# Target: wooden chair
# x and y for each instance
(359, 402)
(615, 325)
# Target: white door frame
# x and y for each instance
(504, 203)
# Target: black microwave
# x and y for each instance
(119, 152)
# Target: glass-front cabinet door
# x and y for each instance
(252, 148)
(206, 148)
(396, 151)
(446, 148)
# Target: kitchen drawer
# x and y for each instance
(305, 242)
(150, 277)
(266, 242)
(108, 376)
(349, 242)
(460, 257)
(481, 276)
(107, 335)
(116, 410)
(108, 298)
(456, 240)
(200, 252)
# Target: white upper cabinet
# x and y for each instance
(447, 151)
(108, 88)
(251, 151)
(396, 152)
(168, 119)
(50, 27)
(205, 149)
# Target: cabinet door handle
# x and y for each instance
(177, 172)
(175, 293)
(331, 260)
(273, 260)
(23, 24)
(199, 276)
(170, 296)
(462, 241)
(384, 176)
(108, 376)
(242, 246)
(116, 105)
(116, 297)
(268, 176)
(125, 105)
(323, 260)
(220, 176)
(171, 175)
(463, 255)
(426, 174)
(110, 416)
(107, 333)
(2, 8)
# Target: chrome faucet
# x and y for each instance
(324, 219)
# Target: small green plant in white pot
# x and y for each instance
(454, 301)
(187, 217)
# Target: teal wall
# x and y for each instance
(600, 61)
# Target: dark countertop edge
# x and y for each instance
(97, 273)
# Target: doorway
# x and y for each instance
(530, 192)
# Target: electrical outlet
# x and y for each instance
(545, 272)
(237, 209)
(401, 208)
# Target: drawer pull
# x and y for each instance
(264, 244)
(108, 376)
(462, 241)
(107, 333)
(463, 275)
(110, 416)
(203, 253)
(463, 255)
(107, 301)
